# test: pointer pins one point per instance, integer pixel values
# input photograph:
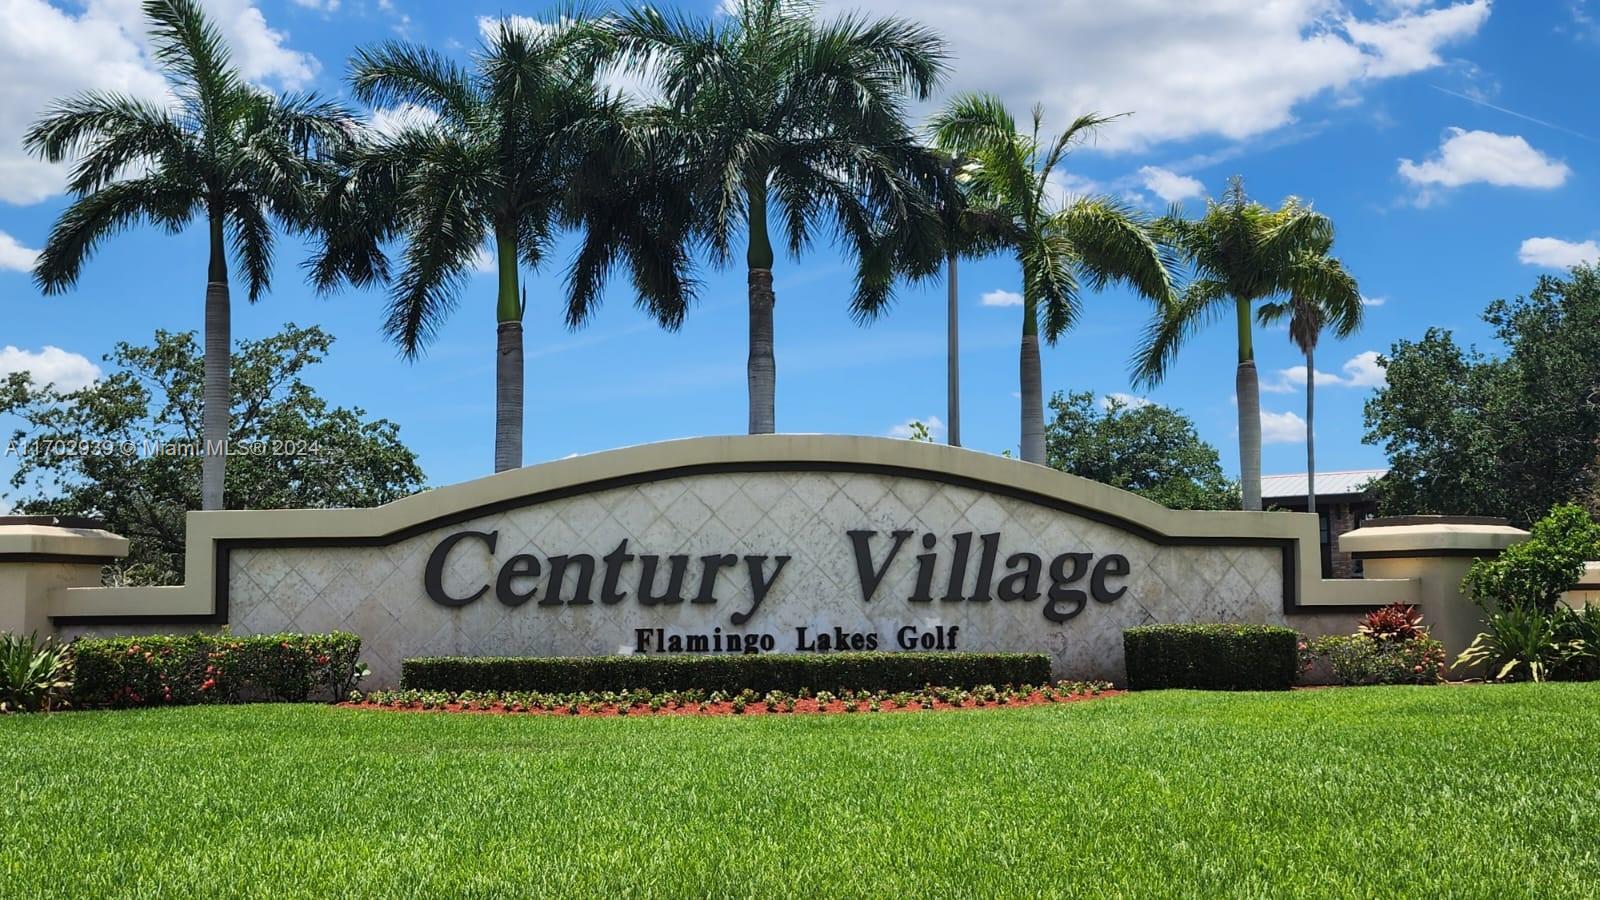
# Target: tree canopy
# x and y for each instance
(1151, 450)
(1514, 435)
(121, 449)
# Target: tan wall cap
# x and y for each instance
(55, 541)
(1434, 537)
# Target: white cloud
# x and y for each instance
(1411, 42)
(1554, 253)
(15, 257)
(1002, 298)
(1282, 428)
(1360, 371)
(1469, 157)
(1169, 185)
(934, 424)
(52, 365)
(324, 5)
(1363, 371)
(1234, 68)
(1373, 301)
(1127, 401)
(484, 262)
(49, 53)
(391, 119)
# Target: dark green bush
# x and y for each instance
(1212, 657)
(158, 670)
(775, 672)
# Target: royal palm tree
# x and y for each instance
(222, 149)
(1060, 243)
(506, 154)
(1242, 254)
(802, 119)
(1321, 294)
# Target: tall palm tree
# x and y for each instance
(802, 119)
(512, 151)
(222, 149)
(1060, 244)
(1321, 294)
(1242, 254)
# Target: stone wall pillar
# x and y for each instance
(1436, 551)
(42, 555)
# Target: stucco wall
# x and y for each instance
(378, 593)
(777, 495)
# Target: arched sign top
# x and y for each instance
(751, 453)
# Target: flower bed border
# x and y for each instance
(935, 699)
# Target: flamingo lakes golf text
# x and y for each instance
(1065, 583)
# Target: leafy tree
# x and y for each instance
(508, 153)
(1512, 436)
(1243, 254)
(227, 151)
(1091, 240)
(787, 115)
(1151, 450)
(122, 450)
(1323, 295)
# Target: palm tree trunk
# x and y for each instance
(762, 367)
(1247, 390)
(1032, 387)
(953, 361)
(1311, 435)
(217, 394)
(508, 378)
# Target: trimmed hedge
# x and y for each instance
(733, 673)
(1212, 657)
(162, 670)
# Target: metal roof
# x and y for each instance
(1277, 487)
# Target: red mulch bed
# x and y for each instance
(808, 706)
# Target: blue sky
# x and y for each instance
(1453, 143)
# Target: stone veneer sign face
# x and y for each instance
(767, 561)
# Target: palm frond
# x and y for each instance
(193, 56)
(250, 235)
(157, 198)
(396, 73)
(1113, 243)
(1049, 278)
(1202, 302)
(108, 134)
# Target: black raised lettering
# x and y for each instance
(1114, 565)
(433, 572)
(517, 567)
(869, 577)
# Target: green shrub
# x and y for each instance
(1582, 633)
(1528, 633)
(34, 674)
(1359, 659)
(1211, 657)
(1537, 571)
(1520, 642)
(731, 674)
(157, 670)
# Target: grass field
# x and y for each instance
(1423, 792)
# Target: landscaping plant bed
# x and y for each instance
(718, 703)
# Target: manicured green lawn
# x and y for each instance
(1424, 792)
